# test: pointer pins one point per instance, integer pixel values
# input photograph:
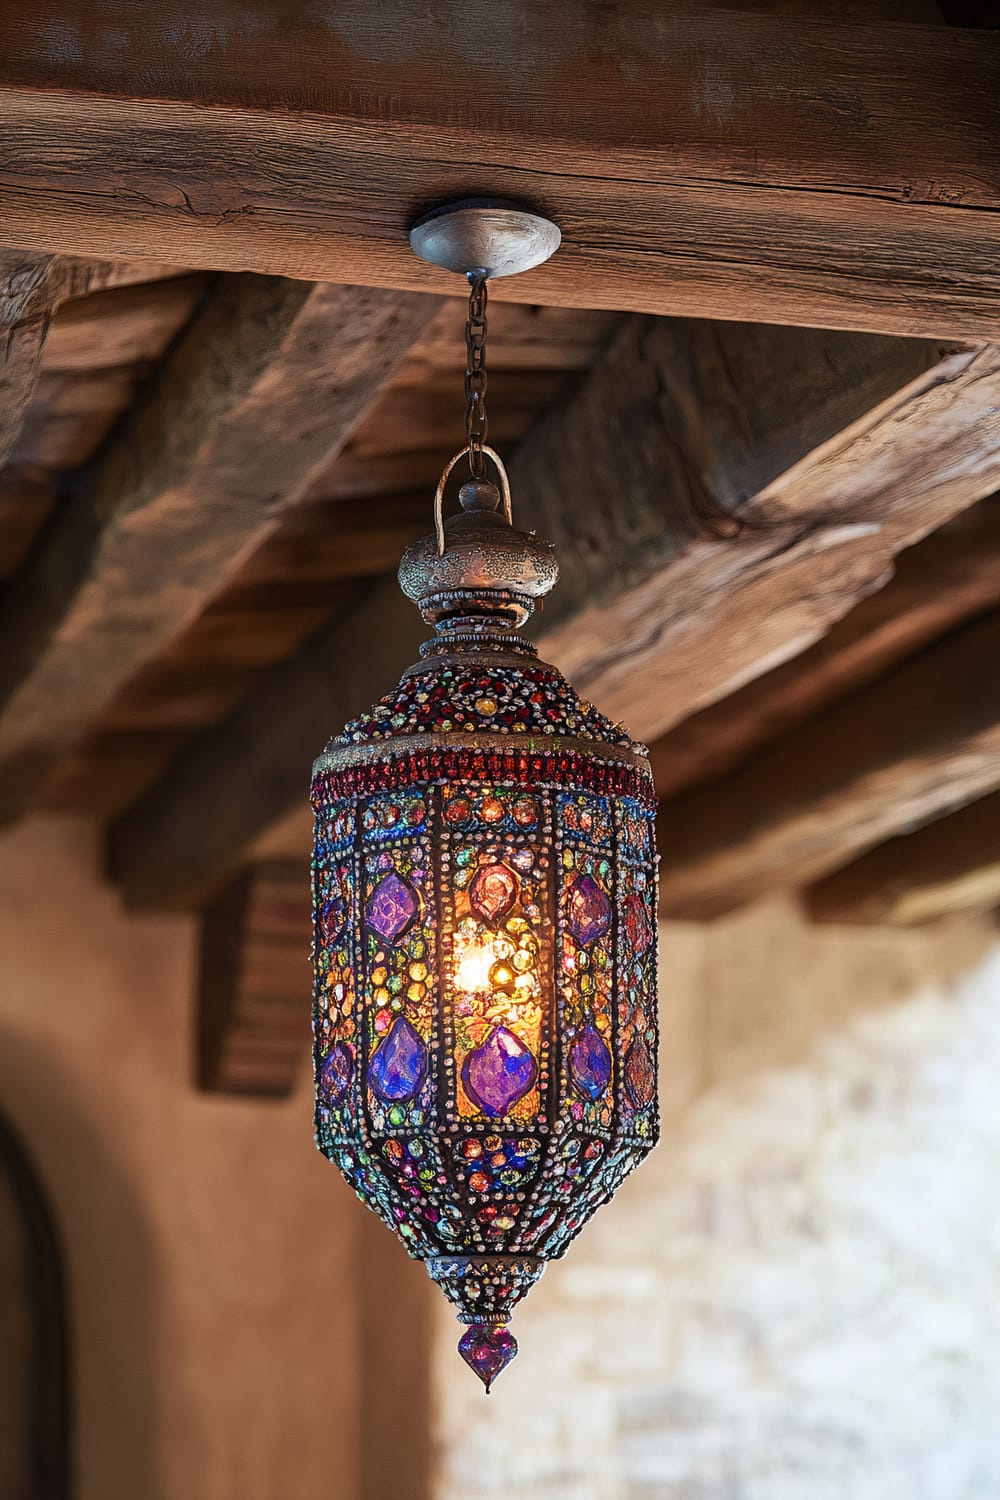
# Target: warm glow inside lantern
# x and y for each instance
(485, 939)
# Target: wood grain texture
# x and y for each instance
(29, 289)
(263, 388)
(921, 741)
(653, 623)
(175, 846)
(945, 580)
(950, 865)
(254, 983)
(762, 167)
(709, 615)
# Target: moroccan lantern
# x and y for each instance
(484, 881)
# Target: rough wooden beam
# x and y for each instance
(837, 451)
(233, 783)
(254, 400)
(30, 287)
(647, 621)
(919, 742)
(775, 168)
(950, 865)
(946, 579)
(253, 996)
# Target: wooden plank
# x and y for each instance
(950, 865)
(25, 503)
(172, 848)
(919, 742)
(28, 292)
(946, 579)
(121, 325)
(254, 983)
(255, 398)
(32, 286)
(700, 162)
(647, 621)
(654, 623)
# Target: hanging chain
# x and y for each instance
(476, 425)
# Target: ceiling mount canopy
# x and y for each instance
(484, 236)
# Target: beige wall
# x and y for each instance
(798, 1296)
(216, 1347)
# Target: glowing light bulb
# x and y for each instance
(475, 958)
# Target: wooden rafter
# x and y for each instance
(952, 864)
(255, 399)
(837, 450)
(648, 620)
(921, 741)
(253, 983)
(946, 579)
(700, 162)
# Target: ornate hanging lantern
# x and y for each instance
(485, 907)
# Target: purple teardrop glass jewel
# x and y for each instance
(392, 906)
(590, 1063)
(487, 1348)
(336, 1074)
(397, 1069)
(498, 1072)
(588, 914)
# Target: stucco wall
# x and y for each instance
(798, 1296)
(208, 1243)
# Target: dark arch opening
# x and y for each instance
(35, 1294)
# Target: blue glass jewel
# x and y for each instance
(590, 1063)
(397, 1069)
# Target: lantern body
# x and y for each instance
(485, 963)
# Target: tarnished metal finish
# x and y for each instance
(483, 552)
(491, 235)
(476, 422)
(633, 755)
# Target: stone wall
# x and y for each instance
(798, 1296)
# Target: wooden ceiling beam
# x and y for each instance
(32, 286)
(919, 742)
(944, 580)
(253, 992)
(252, 403)
(700, 162)
(948, 866)
(648, 620)
(836, 450)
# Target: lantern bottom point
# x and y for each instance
(487, 1349)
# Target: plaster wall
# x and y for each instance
(210, 1249)
(798, 1296)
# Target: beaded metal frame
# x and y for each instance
(485, 945)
